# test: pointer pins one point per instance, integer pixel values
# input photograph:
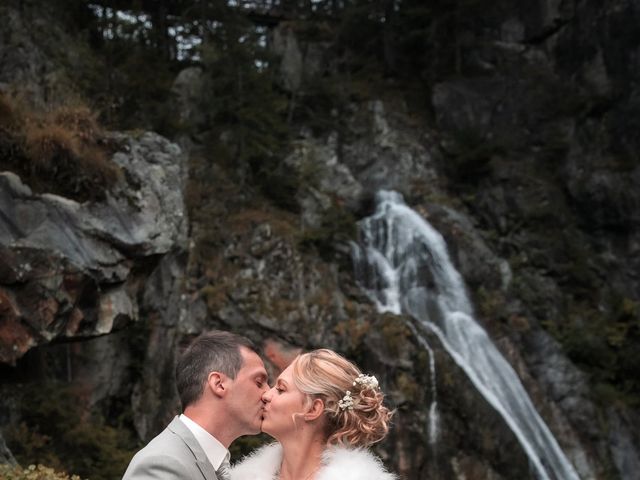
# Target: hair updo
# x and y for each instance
(328, 376)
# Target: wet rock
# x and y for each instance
(623, 443)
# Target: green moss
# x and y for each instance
(395, 333)
(489, 302)
(353, 331)
(408, 387)
(216, 295)
(337, 225)
(605, 345)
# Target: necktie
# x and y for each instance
(223, 471)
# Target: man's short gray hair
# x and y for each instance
(212, 351)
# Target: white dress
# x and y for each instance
(338, 463)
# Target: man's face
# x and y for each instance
(245, 393)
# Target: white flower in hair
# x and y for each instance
(346, 402)
(366, 381)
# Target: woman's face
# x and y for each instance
(282, 404)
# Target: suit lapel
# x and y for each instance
(207, 469)
(203, 463)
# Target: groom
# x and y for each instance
(220, 380)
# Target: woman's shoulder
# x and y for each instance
(261, 464)
(352, 464)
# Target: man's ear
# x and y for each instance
(216, 383)
(316, 409)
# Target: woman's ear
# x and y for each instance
(215, 383)
(316, 409)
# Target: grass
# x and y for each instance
(60, 150)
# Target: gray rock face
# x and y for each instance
(332, 179)
(386, 154)
(286, 44)
(624, 443)
(380, 153)
(154, 398)
(187, 90)
(299, 63)
(71, 269)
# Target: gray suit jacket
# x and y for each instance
(173, 454)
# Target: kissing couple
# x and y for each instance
(322, 412)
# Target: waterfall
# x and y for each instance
(402, 264)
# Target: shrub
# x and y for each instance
(33, 472)
(9, 113)
(60, 153)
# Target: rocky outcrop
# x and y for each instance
(75, 270)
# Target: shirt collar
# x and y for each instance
(216, 452)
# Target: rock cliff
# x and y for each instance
(527, 166)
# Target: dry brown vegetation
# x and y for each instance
(61, 150)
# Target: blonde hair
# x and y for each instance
(328, 376)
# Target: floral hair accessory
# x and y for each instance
(347, 402)
(366, 381)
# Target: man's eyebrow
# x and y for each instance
(261, 376)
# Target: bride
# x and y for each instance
(323, 412)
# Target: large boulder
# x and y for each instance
(72, 269)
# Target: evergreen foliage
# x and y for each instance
(57, 431)
(247, 111)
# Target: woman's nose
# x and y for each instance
(266, 396)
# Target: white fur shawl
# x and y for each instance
(339, 463)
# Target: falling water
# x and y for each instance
(403, 265)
